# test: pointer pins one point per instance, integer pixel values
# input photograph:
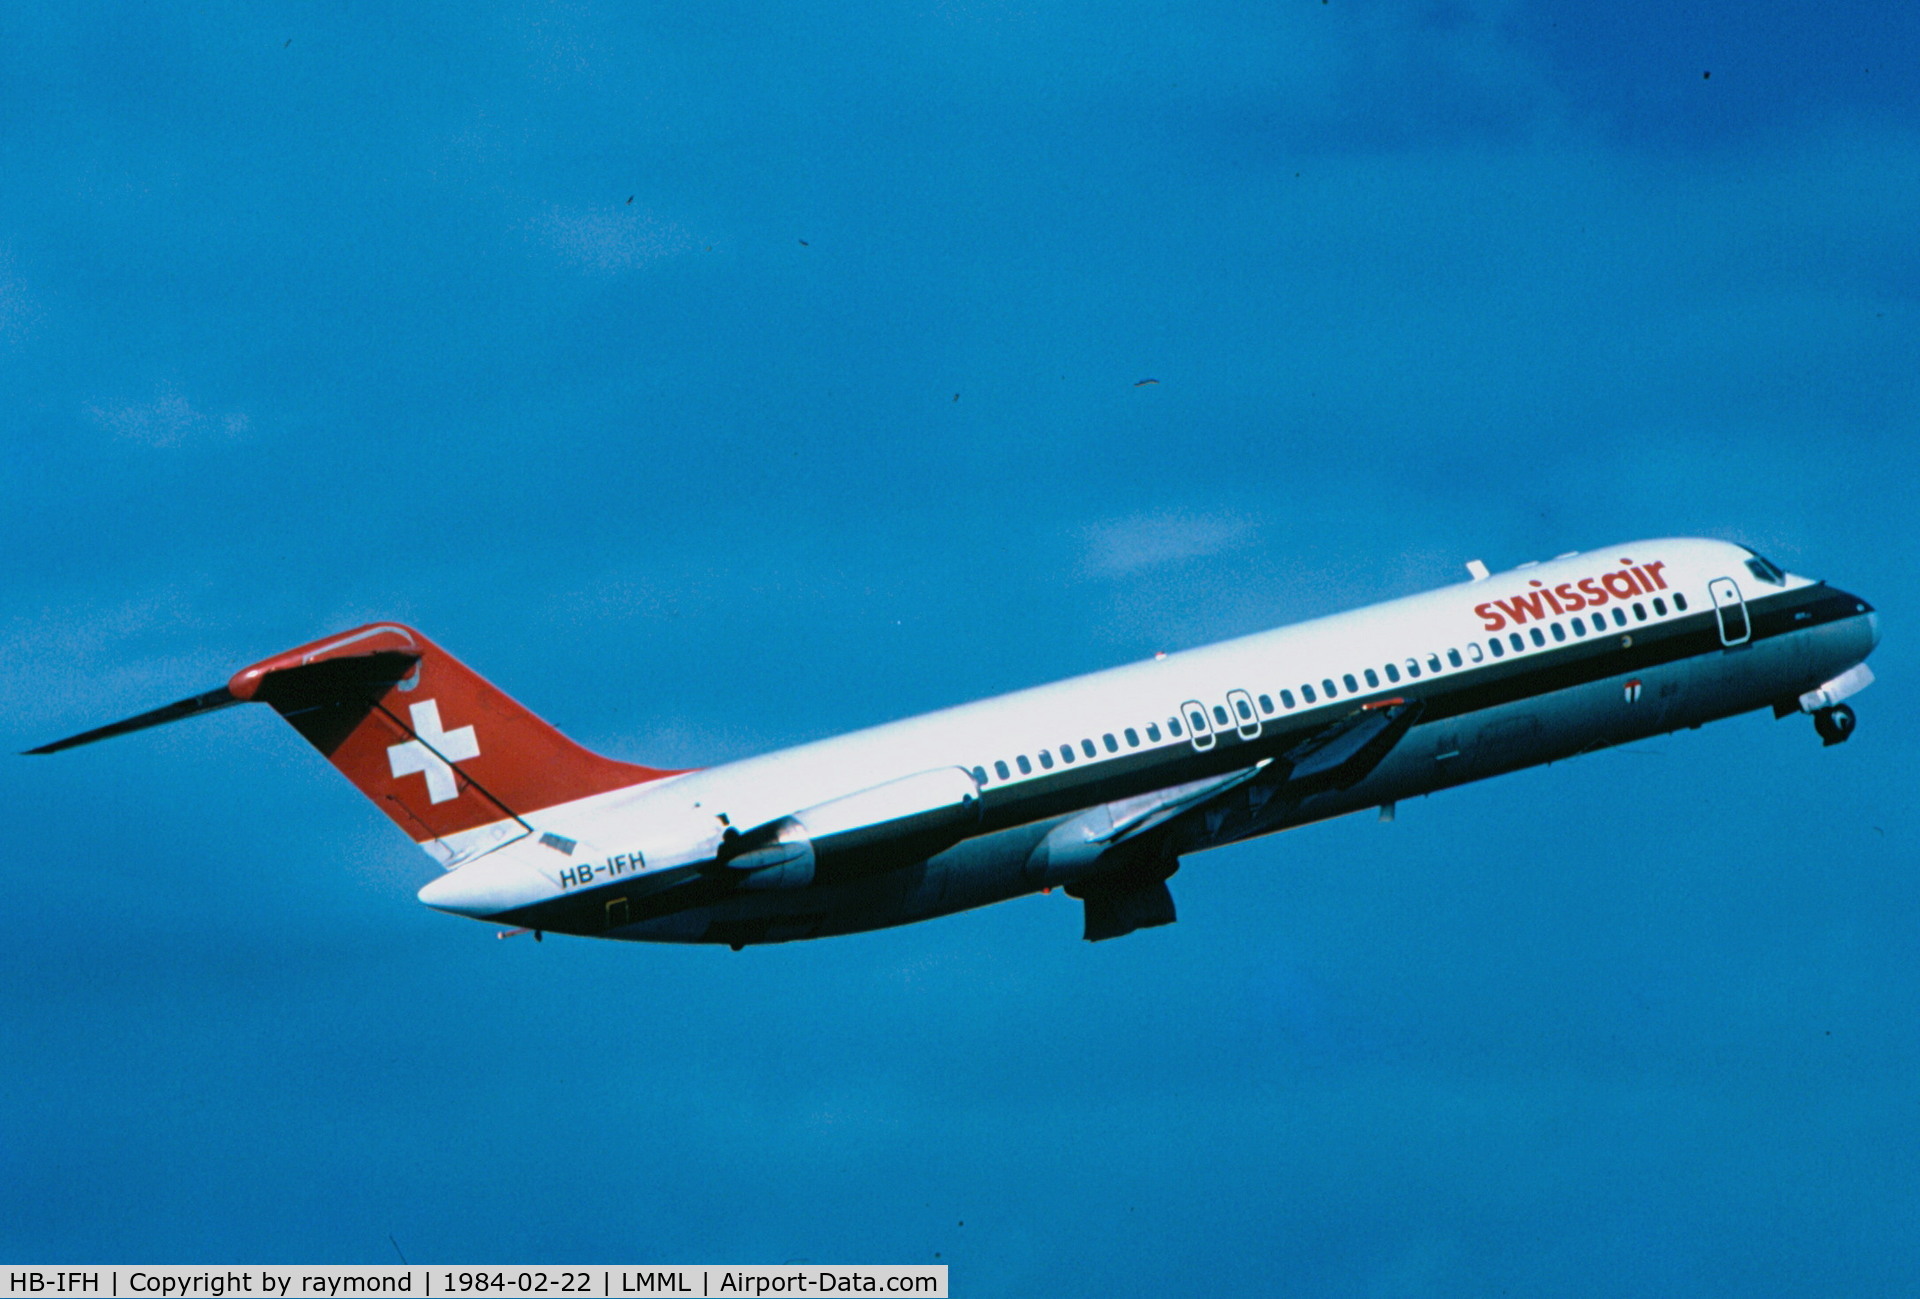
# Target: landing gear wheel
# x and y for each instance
(1834, 725)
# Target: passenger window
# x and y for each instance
(1306, 692)
(1086, 747)
(1133, 738)
(1353, 687)
(1639, 612)
(1413, 667)
(1066, 753)
(1473, 651)
(1266, 704)
(1153, 732)
(1199, 720)
(1373, 679)
(1393, 673)
(1243, 708)
(1619, 617)
(1579, 625)
(1326, 684)
(1000, 770)
(1220, 717)
(1286, 698)
(1433, 664)
(979, 775)
(1659, 606)
(1559, 632)
(1173, 727)
(1518, 644)
(1493, 643)
(1113, 745)
(1539, 637)
(1679, 602)
(1046, 759)
(1026, 768)
(1453, 657)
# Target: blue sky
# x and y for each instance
(619, 350)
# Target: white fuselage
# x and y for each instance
(1685, 633)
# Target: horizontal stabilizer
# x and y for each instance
(328, 699)
(212, 701)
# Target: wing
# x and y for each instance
(1341, 754)
(1118, 857)
(1337, 756)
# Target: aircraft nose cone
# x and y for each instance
(486, 888)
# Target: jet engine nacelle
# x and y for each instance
(894, 824)
(1072, 850)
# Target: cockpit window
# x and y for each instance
(1766, 570)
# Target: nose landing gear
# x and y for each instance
(1834, 725)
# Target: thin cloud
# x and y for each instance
(1133, 545)
(65, 664)
(168, 420)
(611, 240)
(18, 311)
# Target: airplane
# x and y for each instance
(1098, 785)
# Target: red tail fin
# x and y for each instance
(424, 736)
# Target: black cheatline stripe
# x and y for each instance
(585, 912)
(1458, 693)
(1524, 675)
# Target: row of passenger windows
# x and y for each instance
(1409, 669)
(1109, 742)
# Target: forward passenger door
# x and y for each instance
(1731, 610)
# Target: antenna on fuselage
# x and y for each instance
(1478, 569)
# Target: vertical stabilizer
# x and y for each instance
(430, 741)
(455, 762)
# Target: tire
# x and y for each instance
(1834, 725)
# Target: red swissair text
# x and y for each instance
(1571, 597)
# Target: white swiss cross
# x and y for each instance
(446, 747)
